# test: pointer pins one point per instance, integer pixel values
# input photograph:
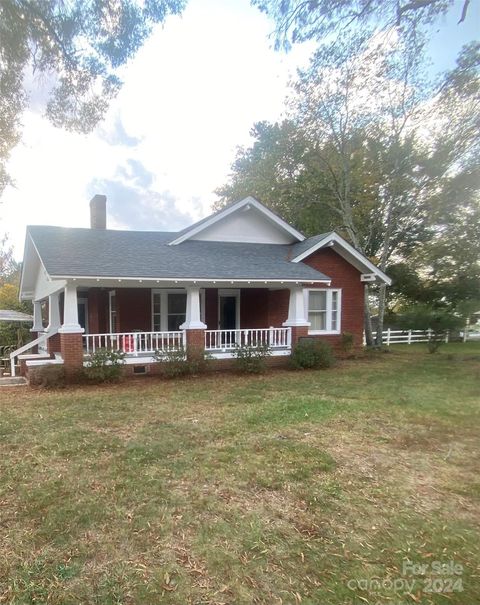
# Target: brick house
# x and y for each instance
(240, 276)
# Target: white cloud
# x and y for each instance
(190, 96)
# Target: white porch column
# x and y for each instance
(53, 312)
(70, 312)
(296, 308)
(37, 317)
(192, 319)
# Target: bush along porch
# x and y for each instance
(240, 278)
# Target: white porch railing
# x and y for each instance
(223, 340)
(41, 340)
(135, 343)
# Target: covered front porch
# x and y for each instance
(144, 321)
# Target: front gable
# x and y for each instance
(247, 221)
(369, 272)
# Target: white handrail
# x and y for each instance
(42, 338)
(275, 338)
(135, 343)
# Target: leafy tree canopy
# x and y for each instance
(76, 45)
(300, 20)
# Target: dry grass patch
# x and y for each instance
(283, 488)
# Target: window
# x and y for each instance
(323, 309)
(156, 312)
(177, 304)
(112, 311)
(168, 310)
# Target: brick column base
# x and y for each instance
(72, 353)
(195, 343)
(35, 335)
(54, 344)
(297, 333)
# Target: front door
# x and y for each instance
(229, 309)
(228, 312)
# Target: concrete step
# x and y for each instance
(12, 381)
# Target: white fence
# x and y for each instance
(135, 343)
(391, 337)
(222, 340)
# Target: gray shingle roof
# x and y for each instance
(301, 247)
(146, 254)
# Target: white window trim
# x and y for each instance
(84, 301)
(164, 292)
(111, 294)
(329, 291)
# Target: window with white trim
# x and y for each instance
(322, 307)
(169, 309)
(112, 311)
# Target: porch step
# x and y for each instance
(11, 381)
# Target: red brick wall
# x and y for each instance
(134, 309)
(98, 320)
(278, 301)
(53, 344)
(211, 308)
(254, 307)
(347, 278)
(72, 353)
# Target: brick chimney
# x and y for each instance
(98, 212)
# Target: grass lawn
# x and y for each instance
(315, 488)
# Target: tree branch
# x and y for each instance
(464, 11)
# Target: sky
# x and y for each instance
(190, 97)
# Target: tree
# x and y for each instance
(450, 259)
(359, 101)
(280, 170)
(366, 150)
(8, 266)
(300, 20)
(11, 334)
(435, 321)
(77, 47)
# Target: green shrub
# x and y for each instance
(47, 376)
(435, 321)
(104, 366)
(347, 342)
(251, 360)
(176, 363)
(312, 353)
(198, 361)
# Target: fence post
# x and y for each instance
(388, 337)
(409, 337)
(447, 335)
(465, 331)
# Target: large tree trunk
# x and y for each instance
(367, 320)
(382, 290)
(381, 312)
